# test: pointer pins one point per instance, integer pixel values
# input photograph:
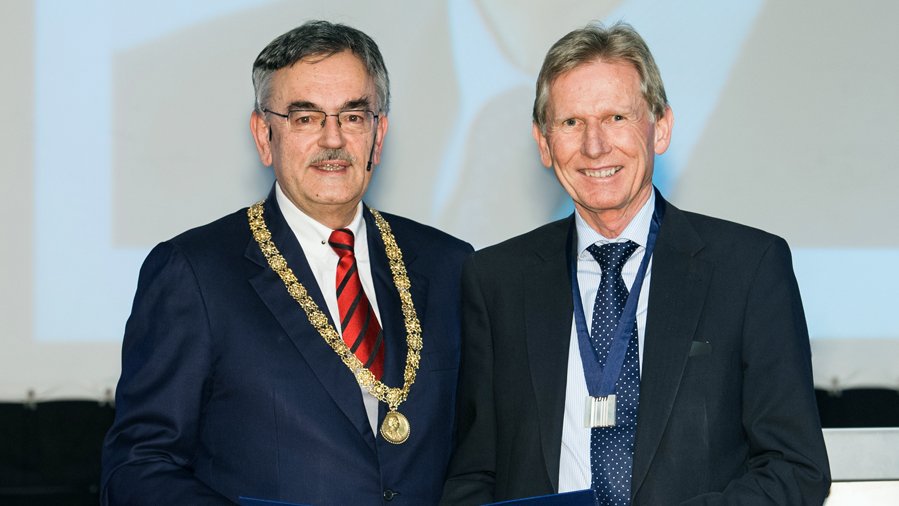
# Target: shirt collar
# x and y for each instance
(306, 228)
(637, 230)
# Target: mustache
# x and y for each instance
(333, 154)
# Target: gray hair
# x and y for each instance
(319, 38)
(617, 43)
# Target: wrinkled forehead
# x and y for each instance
(331, 81)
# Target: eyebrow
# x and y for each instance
(359, 103)
(349, 105)
(301, 105)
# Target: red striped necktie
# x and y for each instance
(358, 323)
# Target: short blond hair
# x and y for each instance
(616, 43)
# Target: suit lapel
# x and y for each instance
(676, 296)
(333, 375)
(548, 314)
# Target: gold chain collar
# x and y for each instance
(390, 395)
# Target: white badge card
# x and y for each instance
(600, 412)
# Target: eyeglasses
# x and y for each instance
(307, 121)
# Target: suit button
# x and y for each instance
(390, 494)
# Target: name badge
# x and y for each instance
(600, 412)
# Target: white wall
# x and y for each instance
(125, 123)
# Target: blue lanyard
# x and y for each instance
(601, 379)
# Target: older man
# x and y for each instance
(305, 349)
(653, 355)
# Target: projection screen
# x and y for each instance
(126, 123)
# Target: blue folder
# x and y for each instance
(578, 498)
(250, 501)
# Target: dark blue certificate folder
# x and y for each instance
(578, 498)
(249, 501)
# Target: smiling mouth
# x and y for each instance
(330, 167)
(601, 173)
(332, 160)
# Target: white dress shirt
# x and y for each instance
(313, 238)
(574, 461)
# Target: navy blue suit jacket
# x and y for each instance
(727, 410)
(227, 390)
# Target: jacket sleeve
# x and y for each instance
(166, 362)
(470, 478)
(787, 461)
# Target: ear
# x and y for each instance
(542, 146)
(663, 131)
(379, 141)
(262, 133)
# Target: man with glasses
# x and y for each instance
(304, 349)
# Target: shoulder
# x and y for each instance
(544, 242)
(721, 229)
(716, 233)
(226, 237)
(517, 259)
(234, 226)
(722, 242)
(425, 239)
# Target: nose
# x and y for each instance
(331, 134)
(595, 141)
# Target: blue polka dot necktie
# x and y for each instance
(612, 448)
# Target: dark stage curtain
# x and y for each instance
(50, 451)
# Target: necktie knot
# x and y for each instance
(342, 242)
(612, 256)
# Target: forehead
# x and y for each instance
(323, 80)
(596, 85)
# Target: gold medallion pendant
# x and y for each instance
(395, 428)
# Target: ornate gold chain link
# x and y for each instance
(391, 395)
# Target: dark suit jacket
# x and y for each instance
(731, 421)
(227, 390)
